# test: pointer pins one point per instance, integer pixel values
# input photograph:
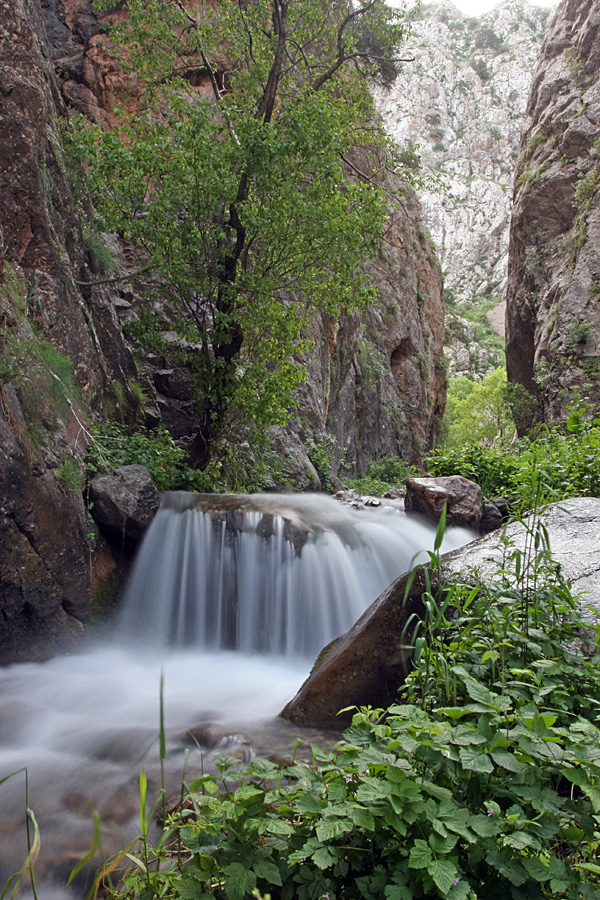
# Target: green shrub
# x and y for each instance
(113, 446)
(383, 474)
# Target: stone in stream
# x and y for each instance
(463, 499)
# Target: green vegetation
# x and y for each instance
(469, 322)
(249, 240)
(238, 470)
(478, 412)
(480, 782)
(383, 474)
(563, 461)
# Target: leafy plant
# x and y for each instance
(383, 474)
(563, 461)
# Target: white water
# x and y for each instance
(85, 725)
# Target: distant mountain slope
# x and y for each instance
(463, 101)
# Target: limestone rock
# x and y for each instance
(461, 102)
(125, 502)
(553, 313)
(463, 499)
(366, 665)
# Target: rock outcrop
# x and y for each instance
(553, 313)
(61, 350)
(460, 107)
(366, 665)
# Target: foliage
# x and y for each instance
(478, 411)
(383, 474)
(469, 322)
(114, 444)
(68, 475)
(563, 461)
(480, 783)
(249, 237)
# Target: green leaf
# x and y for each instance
(331, 828)
(507, 760)
(511, 869)
(325, 857)
(476, 760)
(268, 870)
(442, 845)
(537, 868)
(443, 872)
(420, 855)
(240, 881)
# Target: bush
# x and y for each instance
(383, 474)
(113, 446)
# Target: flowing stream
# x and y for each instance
(230, 600)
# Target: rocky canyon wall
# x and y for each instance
(61, 348)
(553, 312)
(460, 107)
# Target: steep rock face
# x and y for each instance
(553, 314)
(45, 321)
(376, 381)
(461, 105)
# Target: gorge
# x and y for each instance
(72, 296)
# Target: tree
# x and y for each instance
(479, 412)
(241, 194)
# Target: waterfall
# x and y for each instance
(266, 574)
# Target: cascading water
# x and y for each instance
(265, 574)
(230, 598)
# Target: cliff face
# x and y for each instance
(61, 351)
(461, 104)
(553, 313)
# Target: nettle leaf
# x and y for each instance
(443, 872)
(325, 857)
(476, 760)
(331, 828)
(420, 855)
(460, 891)
(507, 760)
(538, 869)
(522, 840)
(309, 804)
(276, 826)
(269, 871)
(240, 881)
(441, 844)
(464, 735)
(362, 818)
(510, 868)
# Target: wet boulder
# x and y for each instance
(125, 502)
(463, 498)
